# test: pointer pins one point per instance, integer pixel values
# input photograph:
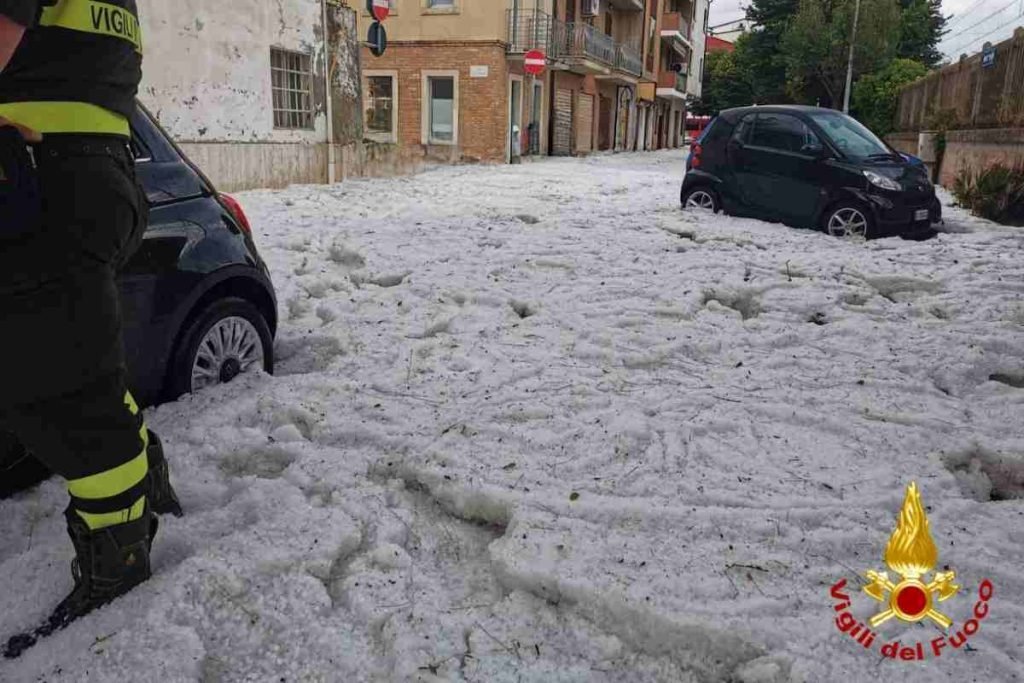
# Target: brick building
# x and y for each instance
(448, 89)
(451, 84)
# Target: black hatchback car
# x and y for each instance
(197, 300)
(808, 167)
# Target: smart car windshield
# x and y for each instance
(851, 137)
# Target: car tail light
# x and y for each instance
(236, 211)
(695, 153)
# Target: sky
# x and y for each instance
(974, 21)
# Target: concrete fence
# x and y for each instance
(969, 150)
(979, 104)
(974, 92)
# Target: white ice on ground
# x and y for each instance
(534, 423)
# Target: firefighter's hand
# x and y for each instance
(26, 132)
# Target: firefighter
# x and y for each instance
(71, 212)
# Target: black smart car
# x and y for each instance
(198, 304)
(808, 167)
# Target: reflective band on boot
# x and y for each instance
(66, 117)
(112, 482)
(115, 496)
(102, 520)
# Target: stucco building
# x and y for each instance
(259, 94)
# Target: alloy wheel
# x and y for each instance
(700, 199)
(848, 222)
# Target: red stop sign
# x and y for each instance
(380, 9)
(534, 62)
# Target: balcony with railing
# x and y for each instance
(582, 42)
(672, 80)
(628, 60)
(529, 30)
(674, 27)
(578, 46)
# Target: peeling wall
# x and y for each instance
(345, 70)
(206, 70)
(206, 77)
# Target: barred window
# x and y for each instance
(291, 80)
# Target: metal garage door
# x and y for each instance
(563, 123)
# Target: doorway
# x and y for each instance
(515, 117)
(536, 108)
(605, 123)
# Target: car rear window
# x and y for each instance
(707, 129)
(716, 132)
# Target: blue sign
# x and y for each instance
(988, 56)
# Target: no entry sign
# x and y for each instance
(534, 62)
(380, 9)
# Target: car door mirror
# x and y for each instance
(814, 149)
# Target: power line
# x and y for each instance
(982, 21)
(964, 14)
(975, 40)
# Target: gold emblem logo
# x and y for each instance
(911, 554)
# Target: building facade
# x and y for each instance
(258, 94)
(448, 89)
(452, 86)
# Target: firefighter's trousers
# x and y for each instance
(62, 368)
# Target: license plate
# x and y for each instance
(921, 215)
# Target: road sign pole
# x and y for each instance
(377, 39)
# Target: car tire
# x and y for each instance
(198, 346)
(701, 197)
(19, 470)
(849, 219)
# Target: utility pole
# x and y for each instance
(849, 64)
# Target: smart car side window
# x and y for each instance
(783, 132)
(742, 132)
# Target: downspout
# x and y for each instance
(331, 157)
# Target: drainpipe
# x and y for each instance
(331, 159)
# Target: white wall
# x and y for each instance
(206, 68)
(699, 40)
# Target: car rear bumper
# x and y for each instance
(696, 177)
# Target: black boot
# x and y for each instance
(162, 498)
(108, 563)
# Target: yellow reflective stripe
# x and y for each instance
(133, 408)
(90, 16)
(129, 401)
(66, 117)
(102, 521)
(112, 482)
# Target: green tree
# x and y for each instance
(817, 41)
(922, 27)
(762, 52)
(875, 96)
(751, 74)
(772, 16)
(761, 58)
(725, 85)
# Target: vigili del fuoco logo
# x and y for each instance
(912, 595)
